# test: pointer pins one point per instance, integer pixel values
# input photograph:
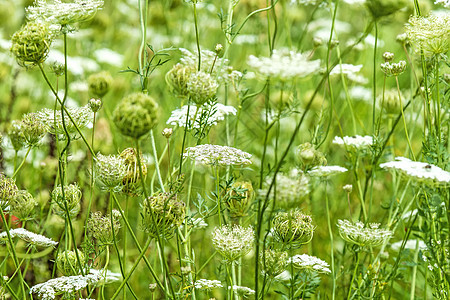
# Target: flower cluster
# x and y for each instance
(233, 242)
(99, 227)
(8, 190)
(309, 156)
(420, 172)
(70, 199)
(284, 65)
(54, 124)
(309, 263)
(362, 235)
(201, 87)
(325, 171)
(273, 262)
(29, 237)
(218, 155)
(291, 188)
(208, 114)
(430, 34)
(63, 285)
(206, 284)
(110, 170)
(63, 13)
(238, 198)
(293, 228)
(67, 262)
(355, 142)
(351, 71)
(22, 206)
(242, 291)
(393, 69)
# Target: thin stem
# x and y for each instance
(155, 155)
(21, 164)
(330, 231)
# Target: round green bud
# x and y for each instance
(293, 228)
(57, 68)
(15, 133)
(309, 156)
(131, 181)
(95, 104)
(99, 227)
(33, 130)
(177, 79)
(162, 214)
(72, 197)
(8, 190)
(67, 262)
(31, 44)
(391, 102)
(201, 87)
(99, 84)
(238, 198)
(135, 115)
(273, 262)
(22, 206)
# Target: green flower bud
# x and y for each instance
(309, 156)
(33, 130)
(293, 228)
(57, 68)
(162, 214)
(110, 170)
(131, 181)
(393, 69)
(99, 227)
(391, 102)
(201, 87)
(95, 104)
(135, 115)
(72, 197)
(31, 44)
(22, 206)
(67, 262)
(177, 79)
(273, 262)
(15, 133)
(8, 190)
(238, 198)
(167, 132)
(99, 84)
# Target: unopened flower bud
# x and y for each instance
(393, 69)
(309, 156)
(99, 227)
(57, 68)
(135, 115)
(33, 130)
(15, 133)
(152, 287)
(95, 104)
(201, 87)
(22, 206)
(71, 199)
(317, 42)
(348, 188)
(110, 170)
(388, 56)
(391, 103)
(99, 84)
(293, 228)
(8, 190)
(67, 262)
(218, 48)
(167, 132)
(273, 262)
(177, 79)
(131, 181)
(238, 198)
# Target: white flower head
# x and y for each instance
(208, 114)
(325, 171)
(362, 235)
(410, 244)
(63, 13)
(206, 284)
(445, 3)
(218, 155)
(420, 172)
(233, 242)
(310, 263)
(29, 237)
(351, 71)
(242, 291)
(72, 284)
(284, 65)
(355, 142)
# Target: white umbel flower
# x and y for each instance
(242, 291)
(356, 142)
(63, 13)
(310, 263)
(410, 244)
(53, 121)
(325, 171)
(233, 242)
(206, 115)
(29, 237)
(61, 285)
(445, 3)
(362, 235)
(351, 71)
(206, 284)
(284, 65)
(420, 172)
(218, 155)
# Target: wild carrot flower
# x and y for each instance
(242, 291)
(393, 69)
(325, 171)
(309, 263)
(136, 114)
(33, 130)
(64, 286)
(67, 262)
(99, 84)
(206, 284)
(419, 172)
(63, 13)
(356, 142)
(233, 242)
(273, 262)
(445, 3)
(72, 197)
(110, 170)
(410, 244)
(430, 34)
(208, 114)
(293, 228)
(53, 121)
(162, 214)
(8, 190)
(29, 237)
(362, 235)
(309, 156)
(218, 155)
(99, 227)
(284, 65)
(291, 188)
(131, 181)
(201, 87)
(238, 198)
(351, 71)
(23, 205)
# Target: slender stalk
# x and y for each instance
(330, 231)
(21, 164)
(155, 155)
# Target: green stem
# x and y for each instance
(404, 120)
(330, 231)
(21, 164)
(354, 276)
(155, 155)
(197, 40)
